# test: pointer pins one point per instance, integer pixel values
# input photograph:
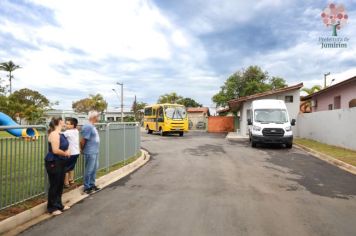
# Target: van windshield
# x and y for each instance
(174, 112)
(271, 116)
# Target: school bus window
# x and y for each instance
(160, 112)
(175, 112)
(148, 111)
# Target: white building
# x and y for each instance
(291, 96)
(111, 115)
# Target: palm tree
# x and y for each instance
(9, 67)
(169, 98)
(305, 106)
(312, 90)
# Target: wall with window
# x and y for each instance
(336, 98)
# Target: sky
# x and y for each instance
(70, 49)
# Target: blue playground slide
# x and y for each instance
(6, 120)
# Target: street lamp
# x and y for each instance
(122, 100)
(326, 74)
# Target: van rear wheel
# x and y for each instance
(289, 145)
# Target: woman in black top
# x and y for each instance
(55, 162)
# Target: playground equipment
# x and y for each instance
(6, 120)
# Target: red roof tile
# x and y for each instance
(267, 93)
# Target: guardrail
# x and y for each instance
(22, 172)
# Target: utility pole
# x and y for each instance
(326, 74)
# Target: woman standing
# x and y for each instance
(55, 163)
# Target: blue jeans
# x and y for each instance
(91, 165)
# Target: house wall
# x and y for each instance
(293, 108)
(195, 117)
(347, 93)
(220, 124)
(336, 127)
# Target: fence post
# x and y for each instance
(124, 144)
(46, 186)
(107, 147)
(135, 139)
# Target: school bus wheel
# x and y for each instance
(161, 132)
(148, 130)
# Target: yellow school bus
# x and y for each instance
(166, 118)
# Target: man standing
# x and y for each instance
(90, 146)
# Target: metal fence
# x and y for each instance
(22, 172)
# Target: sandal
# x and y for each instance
(56, 213)
(66, 208)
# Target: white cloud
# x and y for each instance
(134, 33)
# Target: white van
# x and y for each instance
(269, 122)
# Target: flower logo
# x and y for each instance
(334, 15)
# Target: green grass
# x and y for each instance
(21, 169)
(342, 154)
(119, 165)
(4, 134)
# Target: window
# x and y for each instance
(288, 99)
(148, 111)
(330, 107)
(314, 103)
(160, 112)
(249, 114)
(270, 116)
(352, 103)
(337, 102)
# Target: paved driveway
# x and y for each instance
(202, 184)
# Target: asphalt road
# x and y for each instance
(202, 184)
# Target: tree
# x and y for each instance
(94, 102)
(312, 90)
(169, 98)
(246, 82)
(305, 106)
(9, 67)
(277, 82)
(25, 103)
(334, 15)
(189, 102)
(2, 88)
(137, 108)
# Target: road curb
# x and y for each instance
(331, 160)
(233, 136)
(22, 221)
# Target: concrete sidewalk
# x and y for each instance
(20, 222)
(236, 136)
